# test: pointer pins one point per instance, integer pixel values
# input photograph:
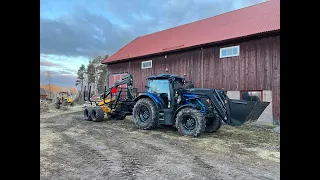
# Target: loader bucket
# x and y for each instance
(241, 111)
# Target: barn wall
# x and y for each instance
(257, 68)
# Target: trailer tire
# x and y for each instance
(87, 113)
(145, 114)
(97, 114)
(213, 124)
(190, 122)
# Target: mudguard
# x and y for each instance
(183, 106)
(155, 98)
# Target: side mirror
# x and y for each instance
(146, 87)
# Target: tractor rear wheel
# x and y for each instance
(190, 122)
(213, 124)
(87, 114)
(145, 114)
(97, 114)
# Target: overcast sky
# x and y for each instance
(73, 31)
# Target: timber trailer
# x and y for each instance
(167, 101)
(116, 105)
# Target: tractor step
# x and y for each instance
(166, 117)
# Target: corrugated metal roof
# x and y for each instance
(259, 18)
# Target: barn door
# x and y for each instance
(116, 77)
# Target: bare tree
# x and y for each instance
(80, 78)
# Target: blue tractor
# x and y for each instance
(167, 101)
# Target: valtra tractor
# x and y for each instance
(167, 101)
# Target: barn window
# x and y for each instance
(229, 51)
(255, 95)
(146, 64)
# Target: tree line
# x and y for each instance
(94, 75)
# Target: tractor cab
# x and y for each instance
(164, 87)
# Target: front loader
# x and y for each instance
(63, 99)
(191, 110)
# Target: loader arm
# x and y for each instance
(125, 80)
(128, 80)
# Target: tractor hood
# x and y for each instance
(233, 112)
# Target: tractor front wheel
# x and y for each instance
(190, 122)
(97, 114)
(213, 124)
(145, 114)
(87, 114)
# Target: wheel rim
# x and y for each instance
(144, 113)
(189, 123)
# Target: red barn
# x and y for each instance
(43, 94)
(238, 51)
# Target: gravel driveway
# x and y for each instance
(71, 148)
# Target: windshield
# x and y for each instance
(158, 86)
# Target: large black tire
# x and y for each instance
(97, 114)
(145, 114)
(57, 105)
(190, 122)
(87, 114)
(64, 103)
(213, 124)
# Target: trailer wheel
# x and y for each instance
(213, 124)
(97, 114)
(190, 122)
(145, 114)
(87, 114)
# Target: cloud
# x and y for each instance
(80, 34)
(85, 32)
(71, 32)
(58, 78)
(46, 63)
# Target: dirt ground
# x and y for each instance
(72, 148)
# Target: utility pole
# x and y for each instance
(49, 83)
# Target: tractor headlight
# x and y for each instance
(179, 99)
